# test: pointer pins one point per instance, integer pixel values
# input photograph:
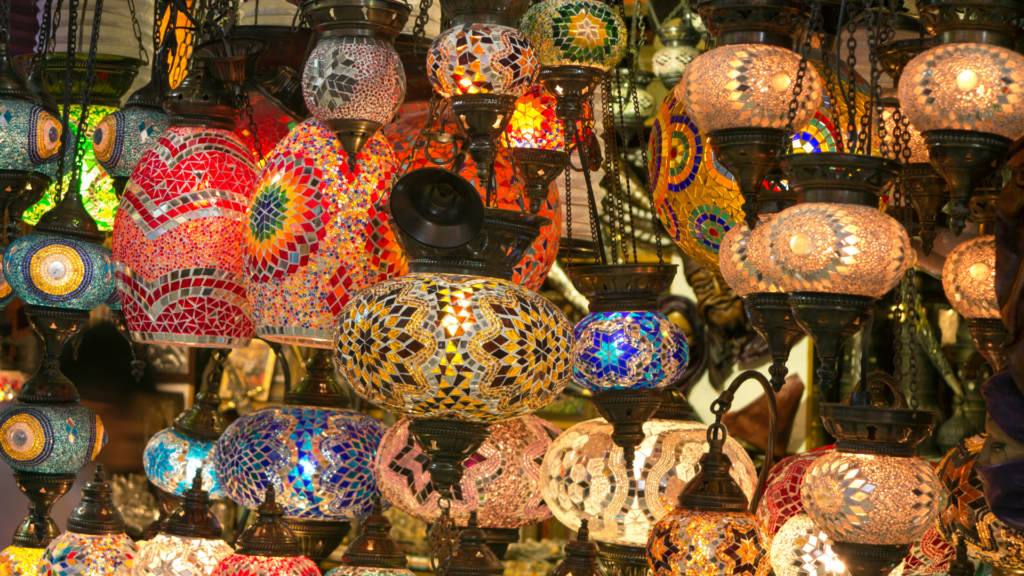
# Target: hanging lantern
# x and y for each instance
(670, 61)
(267, 547)
(501, 483)
(374, 552)
(309, 234)
(537, 138)
(354, 82)
(962, 94)
(120, 138)
(178, 239)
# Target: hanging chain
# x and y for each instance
(831, 76)
(137, 30)
(897, 331)
(51, 44)
(611, 169)
(44, 30)
(90, 80)
(801, 74)
(5, 26)
(628, 192)
(66, 101)
(581, 149)
(442, 536)
(419, 27)
(568, 195)
(246, 106)
(912, 328)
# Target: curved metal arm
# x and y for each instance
(722, 405)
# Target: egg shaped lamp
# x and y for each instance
(675, 54)
(178, 230)
(319, 458)
(120, 138)
(353, 81)
(374, 552)
(626, 351)
(267, 546)
(461, 261)
(95, 542)
(537, 139)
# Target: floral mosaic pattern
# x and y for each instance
(723, 543)
(628, 350)
(45, 270)
(50, 439)
(172, 459)
(575, 33)
(354, 78)
(481, 59)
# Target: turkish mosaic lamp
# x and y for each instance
(120, 138)
(180, 225)
(583, 33)
(95, 542)
(374, 552)
(309, 233)
(537, 140)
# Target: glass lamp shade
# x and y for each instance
(481, 59)
(74, 554)
(575, 33)
(965, 86)
(178, 240)
(18, 561)
(697, 542)
(367, 571)
(837, 248)
(748, 86)
(583, 475)
(930, 554)
(50, 439)
(669, 63)
(389, 258)
(468, 348)
(171, 460)
(534, 123)
(167, 555)
(242, 565)
(354, 78)
(501, 483)
(59, 272)
(781, 498)
(29, 136)
(802, 549)
(628, 350)
(272, 124)
(121, 137)
(319, 460)
(868, 499)
(969, 277)
(741, 259)
(309, 235)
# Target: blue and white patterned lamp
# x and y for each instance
(318, 458)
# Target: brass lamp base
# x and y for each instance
(448, 443)
(772, 316)
(43, 490)
(829, 319)
(965, 159)
(620, 560)
(749, 154)
(870, 559)
(988, 335)
(927, 190)
(318, 538)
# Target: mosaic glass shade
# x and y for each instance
(802, 549)
(628, 350)
(354, 78)
(741, 259)
(575, 33)
(167, 555)
(18, 561)
(50, 439)
(309, 233)
(969, 278)
(59, 272)
(481, 59)
(452, 346)
(172, 459)
(6, 292)
(242, 565)
(178, 240)
(837, 248)
(501, 483)
(29, 136)
(73, 554)
(781, 498)
(98, 194)
(671, 62)
(584, 476)
(389, 258)
(534, 123)
(965, 86)
(867, 499)
(722, 543)
(120, 138)
(928, 555)
(748, 86)
(367, 571)
(319, 460)
(11, 382)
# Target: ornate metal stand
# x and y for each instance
(318, 538)
(168, 504)
(483, 119)
(927, 189)
(870, 559)
(965, 159)
(471, 555)
(374, 547)
(580, 556)
(539, 168)
(571, 87)
(749, 154)
(448, 443)
(42, 490)
(829, 319)
(839, 177)
(772, 316)
(619, 560)
(988, 335)
(499, 539)
(55, 326)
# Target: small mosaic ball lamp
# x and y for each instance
(95, 542)
(120, 138)
(50, 439)
(374, 552)
(628, 350)
(575, 33)
(267, 547)
(969, 276)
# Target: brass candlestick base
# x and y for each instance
(448, 443)
(571, 87)
(927, 190)
(619, 560)
(988, 335)
(55, 326)
(319, 538)
(538, 168)
(829, 319)
(870, 559)
(483, 119)
(772, 316)
(749, 154)
(43, 490)
(626, 411)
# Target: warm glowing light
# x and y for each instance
(967, 80)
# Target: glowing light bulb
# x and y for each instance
(967, 80)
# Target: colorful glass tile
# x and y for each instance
(309, 235)
(121, 137)
(481, 59)
(501, 482)
(57, 272)
(344, 570)
(73, 554)
(453, 346)
(354, 78)
(178, 240)
(167, 555)
(18, 561)
(534, 124)
(50, 439)
(722, 543)
(969, 278)
(241, 565)
(781, 498)
(319, 460)
(802, 549)
(171, 460)
(6, 292)
(272, 124)
(29, 136)
(11, 382)
(575, 33)
(634, 350)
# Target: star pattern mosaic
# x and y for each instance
(73, 554)
(171, 460)
(534, 124)
(628, 350)
(575, 33)
(481, 59)
(723, 543)
(354, 78)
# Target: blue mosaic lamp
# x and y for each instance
(318, 457)
(121, 137)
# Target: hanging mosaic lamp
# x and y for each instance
(267, 547)
(354, 81)
(120, 138)
(963, 94)
(801, 549)
(318, 457)
(309, 234)
(872, 496)
(584, 476)
(676, 52)
(459, 372)
(374, 552)
(501, 483)
(178, 236)
(190, 544)
(537, 139)
(95, 542)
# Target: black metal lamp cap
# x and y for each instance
(471, 555)
(203, 420)
(149, 97)
(623, 287)
(840, 177)
(374, 547)
(318, 387)
(231, 61)
(380, 18)
(501, 12)
(69, 218)
(13, 84)
(268, 535)
(674, 406)
(713, 488)
(771, 22)
(96, 515)
(993, 22)
(194, 519)
(581, 556)
(201, 102)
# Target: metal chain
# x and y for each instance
(66, 101)
(897, 330)
(5, 26)
(90, 80)
(851, 67)
(419, 28)
(581, 149)
(246, 106)
(568, 202)
(137, 30)
(912, 328)
(51, 44)
(831, 75)
(611, 167)
(801, 73)
(44, 29)
(629, 192)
